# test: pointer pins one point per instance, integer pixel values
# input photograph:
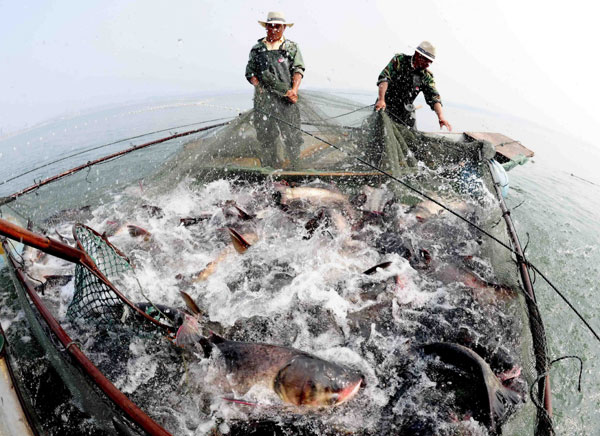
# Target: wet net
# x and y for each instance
(93, 299)
(335, 146)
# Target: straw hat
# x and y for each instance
(275, 18)
(426, 49)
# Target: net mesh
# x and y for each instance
(93, 299)
(342, 141)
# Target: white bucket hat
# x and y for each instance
(275, 18)
(426, 49)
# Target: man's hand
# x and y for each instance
(443, 123)
(380, 104)
(292, 95)
(254, 81)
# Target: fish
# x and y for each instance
(314, 223)
(428, 208)
(297, 377)
(239, 243)
(190, 221)
(136, 231)
(483, 291)
(81, 214)
(375, 199)
(54, 280)
(111, 228)
(153, 211)
(311, 195)
(497, 399)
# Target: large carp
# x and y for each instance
(298, 377)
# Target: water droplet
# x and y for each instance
(180, 41)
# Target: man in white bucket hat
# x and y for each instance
(401, 81)
(275, 68)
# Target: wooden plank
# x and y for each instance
(505, 146)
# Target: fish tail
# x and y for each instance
(502, 401)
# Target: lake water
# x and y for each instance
(554, 198)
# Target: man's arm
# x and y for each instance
(433, 99)
(437, 108)
(387, 74)
(298, 68)
(292, 94)
(383, 86)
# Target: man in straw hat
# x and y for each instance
(401, 81)
(275, 69)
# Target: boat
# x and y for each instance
(15, 417)
(412, 246)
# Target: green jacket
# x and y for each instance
(405, 83)
(267, 65)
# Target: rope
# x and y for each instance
(541, 376)
(351, 112)
(422, 194)
(4, 200)
(581, 178)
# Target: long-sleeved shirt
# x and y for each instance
(405, 82)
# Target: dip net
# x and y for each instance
(347, 149)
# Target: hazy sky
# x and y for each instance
(533, 59)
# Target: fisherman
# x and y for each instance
(401, 81)
(275, 69)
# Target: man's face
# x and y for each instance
(420, 62)
(275, 31)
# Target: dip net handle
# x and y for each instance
(45, 244)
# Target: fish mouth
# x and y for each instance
(350, 391)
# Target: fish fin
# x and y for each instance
(243, 214)
(373, 269)
(239, 243)
(188, 333)
(190, 303)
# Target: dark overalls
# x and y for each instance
(400, 97)
(274, 75)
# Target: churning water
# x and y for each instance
(555, 199)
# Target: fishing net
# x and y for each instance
(343, 143)
(99, 298)
(93, 299)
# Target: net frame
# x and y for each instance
(96, 298)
